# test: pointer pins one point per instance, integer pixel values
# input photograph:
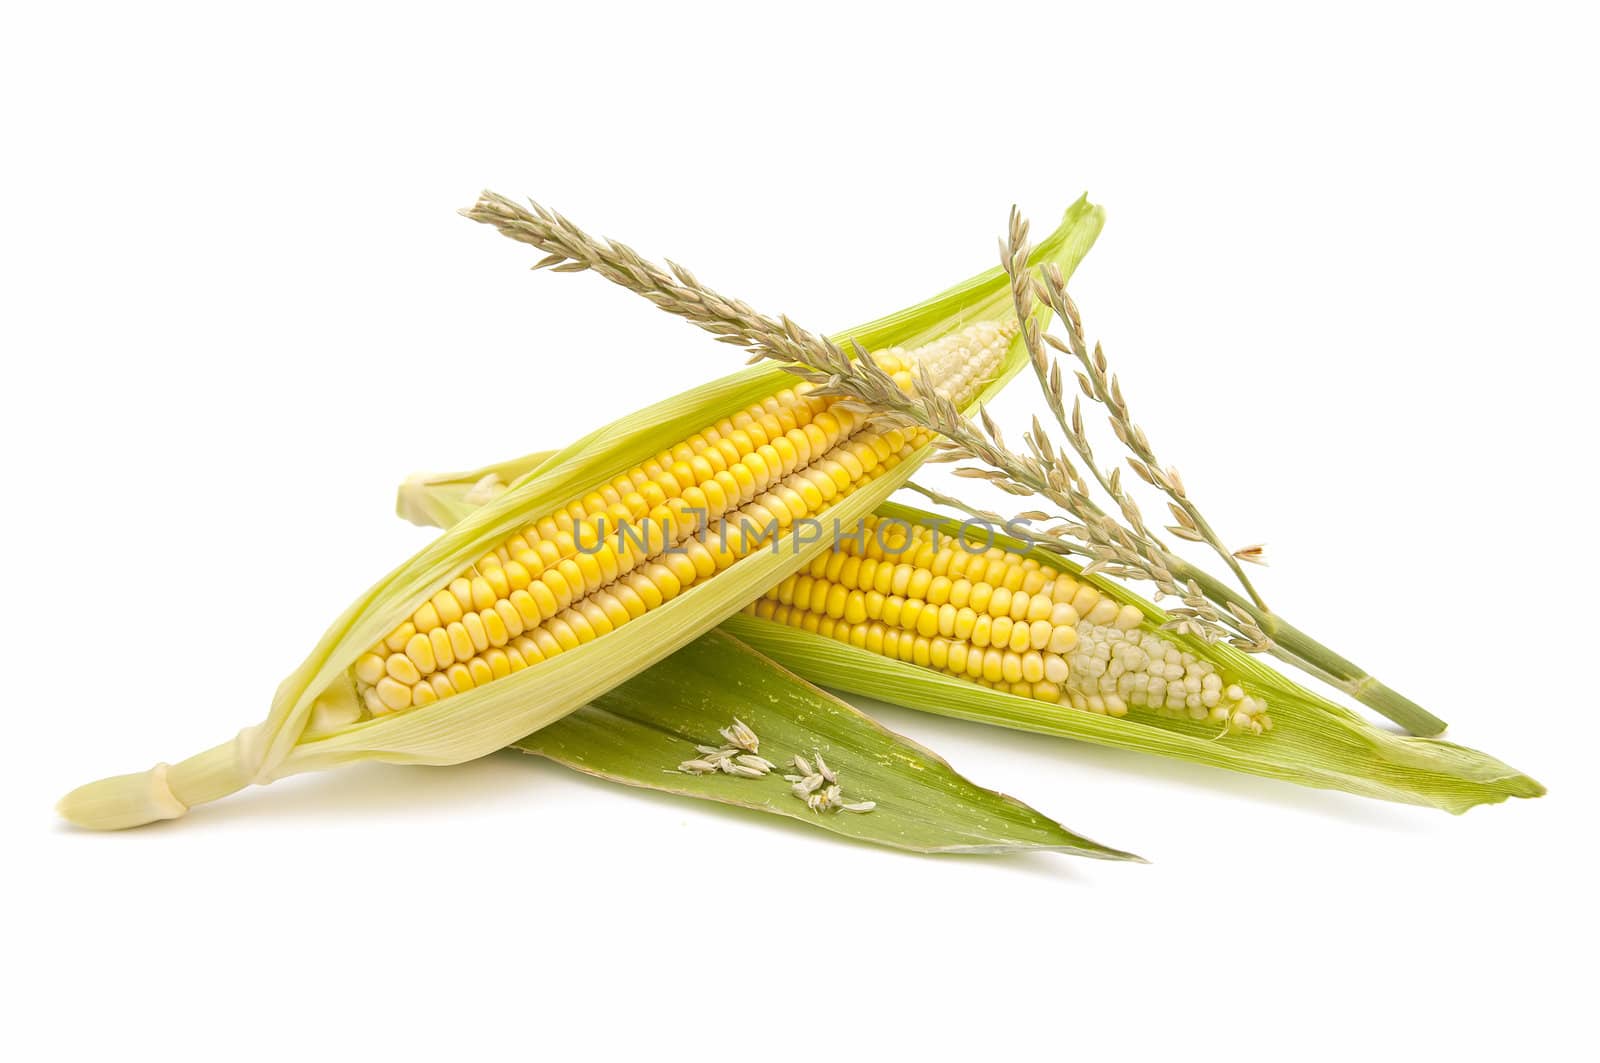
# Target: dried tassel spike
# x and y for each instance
(698, 767)
(807, 786)
(1255, 554)
(859, 806)
(739, 734)
(750, 760)
(823, 769)
(803, 765)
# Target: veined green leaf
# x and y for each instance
(638, 733)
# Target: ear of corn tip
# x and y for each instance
(339, 707)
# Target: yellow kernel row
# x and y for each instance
(1023, 623)
(1043, 672)
(714, 471)
(721, 448)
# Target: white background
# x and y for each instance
(1348, 277)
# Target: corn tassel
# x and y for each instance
(338, 707)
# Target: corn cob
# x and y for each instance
(648, 534)
(528, 608)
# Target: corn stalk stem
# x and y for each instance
(166, 791)
(1293, 646)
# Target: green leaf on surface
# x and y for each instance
(640, 732)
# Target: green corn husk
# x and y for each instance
(1315, 742)
(635, 732)
(490, 717)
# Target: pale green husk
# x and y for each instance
(478, 722)
(637, 732)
